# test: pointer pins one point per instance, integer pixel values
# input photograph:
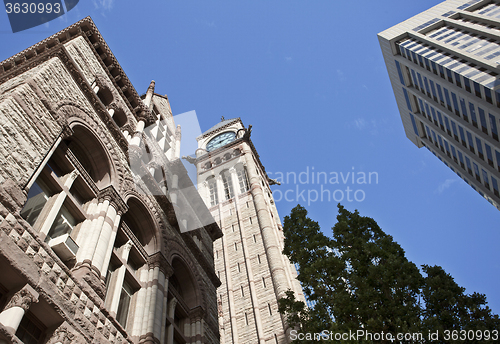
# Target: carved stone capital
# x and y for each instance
(23, 298)
(197, 313)
(62, 335)
(135, 154)
(159, 260)
(110, 194)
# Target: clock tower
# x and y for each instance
(254, 274)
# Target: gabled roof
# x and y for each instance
(221, 124)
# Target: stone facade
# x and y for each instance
(91, 249)
(254, 274)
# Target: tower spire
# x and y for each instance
(149, 94)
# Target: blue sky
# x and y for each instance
(310, 78)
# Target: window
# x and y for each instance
(124, 304)
(482, 118)
(462, 135)
(489, 155)
(469, 166)
(485, 179)
(228, 184)
(37, 198)
(447, 96)
(400, 73)
(408, 104)
(440, 93)
(495, 186)
(477, 89)
(476, 172)
(455, 103)
(457, 79)
(473, 114)
(242, 179)
(30, 330)
(212, 189)
(440, 118)
(493, 125)
(471, 142)
(454, 128)
(487, 94)
(447, 125)
(464, 108)
(64, 223)
(479, 146)
(433, 90)
(467, 84)
(497, 155)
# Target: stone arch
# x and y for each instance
(90, 152)
(105, 92)
(73, 112)
(120, 117)
(179, 254)
(142, 223)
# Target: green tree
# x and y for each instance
(360, 279)
(448, 308)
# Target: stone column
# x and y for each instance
(171, 313)
(278, 274)
(234, 181)
(125, 250)
(220, 188)
(19, 303)
(161, 271)
(177, 153)
(196, 317)
(136, 140)
(97, 236)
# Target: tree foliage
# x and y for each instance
(360, 279)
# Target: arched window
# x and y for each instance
(120, 117)
(91, 155)
(242, 178)
(212, 190)
(105, 95)
(227, 184)
(182, 299)
(56, 201)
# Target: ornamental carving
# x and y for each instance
(23, 298)
(110, 194)
(159, 260)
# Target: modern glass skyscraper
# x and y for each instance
(444, 67)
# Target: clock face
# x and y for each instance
(221, 140)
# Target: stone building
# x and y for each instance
(92, 249)
(254, 274)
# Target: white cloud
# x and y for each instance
(360, 123)
(288, 58)
(103, 4)
(445, 185)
